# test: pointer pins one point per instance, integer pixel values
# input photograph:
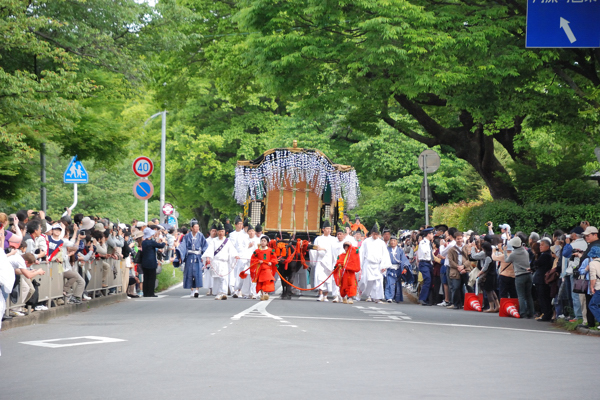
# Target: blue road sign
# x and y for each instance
(563, 23)
(172, 220)
(143, 189)
(75, 173)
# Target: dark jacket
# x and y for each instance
(543, 264)
(149, 247)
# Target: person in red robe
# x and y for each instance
(263, 267)
(346, 267)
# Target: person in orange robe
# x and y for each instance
(263, 267)
(346, 267)
(357, 225)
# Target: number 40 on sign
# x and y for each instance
(143, 167)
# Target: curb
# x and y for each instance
(40, 317)
(586, 331)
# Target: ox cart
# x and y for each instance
(291, 192)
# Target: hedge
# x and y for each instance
(527, 218)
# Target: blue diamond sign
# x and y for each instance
(75, 173)
(563, 23)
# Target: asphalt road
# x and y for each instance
(174, 347)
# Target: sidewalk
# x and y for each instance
(40, 317)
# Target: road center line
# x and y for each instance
(485, 327)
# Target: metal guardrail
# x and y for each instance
(52, 283)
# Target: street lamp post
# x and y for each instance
(162, 159)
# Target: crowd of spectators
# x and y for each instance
(554, 276)
(32, 238)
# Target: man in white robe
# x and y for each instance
(374, 261)
(207, 279)
(244, 286)
(324, 262)
(221, 256)
(241, 241)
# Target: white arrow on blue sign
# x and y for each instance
(75, 173)
(563, 23)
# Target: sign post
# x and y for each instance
(563, 23)
(75, 173)
(429, 162)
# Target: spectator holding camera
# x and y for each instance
(101, 250)
(149, 262)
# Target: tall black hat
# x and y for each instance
(326, 224)
(250, 227)
(246, 222)
(237, 220)
(220, 226)
(214, 225)
(347, 225)
(258, 228)
(375, 228)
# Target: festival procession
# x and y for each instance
(296, 233)
(342, 196)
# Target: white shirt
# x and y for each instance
(7, 272)
(460, 262)
(17, 261)
(444, 251)
(424, 251)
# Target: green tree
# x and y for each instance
(66, 68)
(457, 70)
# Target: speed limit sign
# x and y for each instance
(143, 167)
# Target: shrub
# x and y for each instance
(527, 218)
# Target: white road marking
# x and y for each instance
(257, 307)
(259, 310)
(88, 340)
(179, 285)
(338, 319)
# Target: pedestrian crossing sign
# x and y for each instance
(75, 173)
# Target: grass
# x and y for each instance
(571, 326)
(166, 278)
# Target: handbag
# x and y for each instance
(580, 286)
(138, 257)
(551, 276)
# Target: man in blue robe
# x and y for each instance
(190, 252)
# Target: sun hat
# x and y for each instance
(148, 233)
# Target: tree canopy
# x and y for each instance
(371, 83)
